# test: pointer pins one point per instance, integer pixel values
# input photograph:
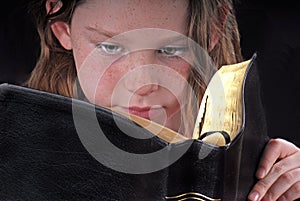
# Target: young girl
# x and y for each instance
(134, 56)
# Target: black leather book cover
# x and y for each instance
(57, 148)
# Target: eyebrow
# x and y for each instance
(175, 39)
(101, 31)
(111, 36)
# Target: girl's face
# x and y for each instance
(129, 55)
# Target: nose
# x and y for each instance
(142, 78)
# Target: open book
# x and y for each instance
(57, 148)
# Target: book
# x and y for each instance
(59, 148)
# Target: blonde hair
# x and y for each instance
(209, 19)
(55, 70)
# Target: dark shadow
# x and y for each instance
(19, 43)
(273, 32)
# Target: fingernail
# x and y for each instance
(260, 173)
(253, 196)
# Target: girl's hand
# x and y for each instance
(278, 173)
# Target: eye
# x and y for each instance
(172, 51)
(110, 48)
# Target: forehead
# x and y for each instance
(119, 16)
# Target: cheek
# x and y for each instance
(174, 79)
(180, 66)
(183, 69)
(104, 87)
(177, 79)
(98, 78)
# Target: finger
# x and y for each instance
(280, 168)
(284, 165)
(283, 184)
(292, 193)
(275, 149)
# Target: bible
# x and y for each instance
(58, 148)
